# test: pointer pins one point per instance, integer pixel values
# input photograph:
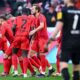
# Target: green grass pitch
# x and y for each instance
(32, 78)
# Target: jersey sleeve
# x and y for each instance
(41, 18)
(9, 34)
(60, 16)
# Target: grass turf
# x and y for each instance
(32, 78)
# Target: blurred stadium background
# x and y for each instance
(48, 8)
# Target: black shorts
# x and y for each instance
(65, 56)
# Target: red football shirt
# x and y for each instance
(6, 31)
(43, 32)
(10, 22)
(23, 24)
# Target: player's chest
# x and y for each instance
(37, 22)
(2, 30)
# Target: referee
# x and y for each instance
(68, 21)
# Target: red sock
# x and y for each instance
(34, 63)
(25, 64)
(21, 65)
(43, 62)
(7, 65)
(35, 58)
(15, 61)
(31, 68)
(48, 64)
(58, 64)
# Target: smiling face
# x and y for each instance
(33, 10)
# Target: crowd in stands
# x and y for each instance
(49, 7)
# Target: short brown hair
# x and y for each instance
(37, 7)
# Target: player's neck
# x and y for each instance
(70, 4)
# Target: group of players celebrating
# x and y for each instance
(27, 35)
(28, 38)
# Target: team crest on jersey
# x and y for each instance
(59, 15)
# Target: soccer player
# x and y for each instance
(5, 35)
(21, 40)
(40, 38)
(10, 21)
(58, 73)
(69, 23)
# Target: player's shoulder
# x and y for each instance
(41, 16)
(31, 17)
(5, 25)
(64, 9)
(18, 17)
(71, 9)
(9, 20)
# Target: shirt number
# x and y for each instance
(74, 26)
(76, 18)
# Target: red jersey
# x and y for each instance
(10, 22)
(6, 32)
(78, 4)
(43, 32)
(33, 19)
(23, 25)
